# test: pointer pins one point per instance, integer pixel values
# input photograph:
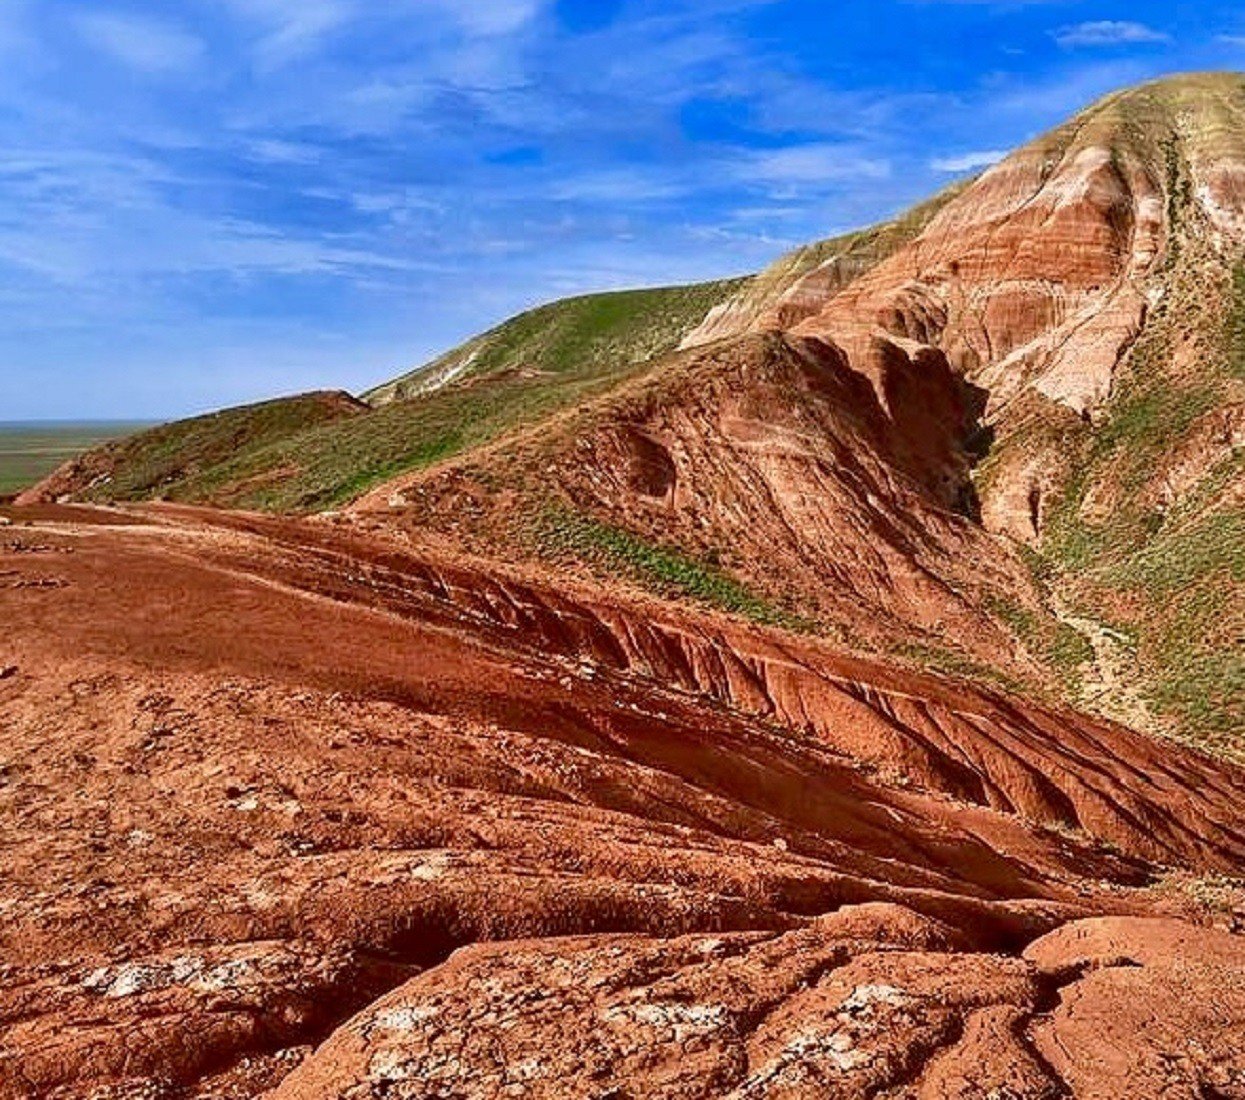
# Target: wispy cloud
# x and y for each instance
(278, 151)
(1108, 32)
(291, 29)
(150, 45)
(285, 29)
(491, 17)
(817, 164)
(622, 186)
(967, 162)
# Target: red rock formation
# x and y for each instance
(257, 773)
(779, 458)
(869, 1000)
(340, 808)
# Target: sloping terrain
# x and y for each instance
(591, 336)
(299, 455)
(1057, 350)
(672, 697)
(1091, 286)
(186, 458)
(1073, 317)
(259, 773)
(768, 464)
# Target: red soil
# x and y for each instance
(259, 775)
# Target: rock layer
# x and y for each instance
(257, 774)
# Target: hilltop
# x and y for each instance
(1072, 321)
(823, 682)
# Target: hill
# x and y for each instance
(686, 693)
(1070, 321)
(190, 457)
(285, 456)
(591, 337)
(1056, 353)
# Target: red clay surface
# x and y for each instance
(286, 808)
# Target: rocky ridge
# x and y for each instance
(589, 754)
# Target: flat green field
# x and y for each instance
(30, 451)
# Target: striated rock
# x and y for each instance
(346, 807)
(797, 285)
(338, 772)
(864, 1002)
(780, 459)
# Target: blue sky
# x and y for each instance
(213, 201)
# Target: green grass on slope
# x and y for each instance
(591, 335)
(160, 461)
(1171, 575)
(1235, 334)
(665, 570)
(526, 369)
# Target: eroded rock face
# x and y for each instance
(1038, 276)
(869, 1000)
(778, 457)
(261, 777)
(799, 284)
(1033, 278)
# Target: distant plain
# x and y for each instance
(31, 450)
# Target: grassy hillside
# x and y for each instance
(1144, 538)
(294, 456)
(591, 336)
(1148, 535)
(182, 460)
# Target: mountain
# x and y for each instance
(824, 682)
(997, 443)
(1052, 355)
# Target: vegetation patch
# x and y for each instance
(664, 570)
(168, 460)
(1172, 572)
(1235, 329)
(321, 451)
(1060, 646)
(587, 337)
(951, 662)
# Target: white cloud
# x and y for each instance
(139, 43)
(1108, 32)
(489, 17)
(277, 151)
(967, 162)
(294, 28)
(616, 185)
(291, 27)
(1232, 39)
(811, 164)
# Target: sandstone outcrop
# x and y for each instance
(260, 776)
(697, 737)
